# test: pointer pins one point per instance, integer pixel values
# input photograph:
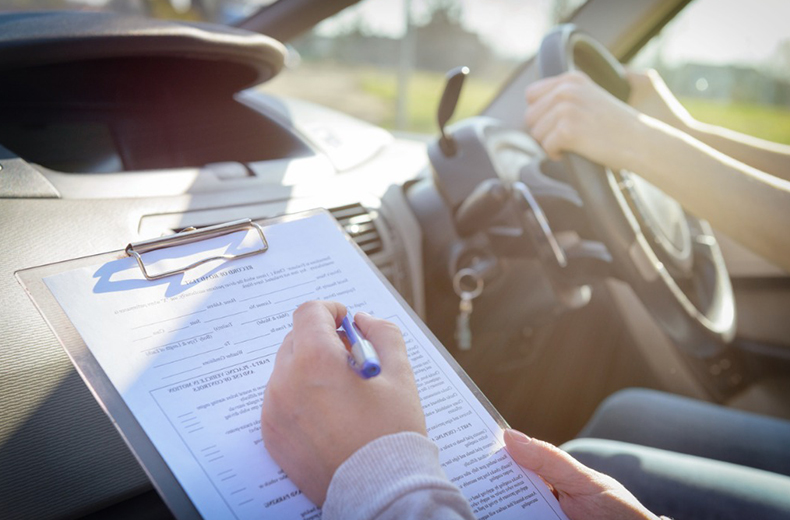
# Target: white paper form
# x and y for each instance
(191, 355)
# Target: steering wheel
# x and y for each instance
(670, 258)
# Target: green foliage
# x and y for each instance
(370, 93)
(765, 121)
(424, 92)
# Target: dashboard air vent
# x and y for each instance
(358, 223)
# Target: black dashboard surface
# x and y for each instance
(245, 155)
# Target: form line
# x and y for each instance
(168, 319)
(178, 341)
(278, 290)
(250, 339)
(295, 297)
(187, 357)
(176, 330)
(211, 371)
(268, 316)
(184, 372)
(223, 317)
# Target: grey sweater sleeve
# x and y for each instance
(395, 477)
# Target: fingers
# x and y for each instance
(315, 324)
(285, 352)
(541, 87)
(537, 112)
(552, 131)
(643, 85)
(556, 467)
(567, 90)
(538, 89)
(554, 104)
(314, 336)
(320, 313)
(636, 77)
(385, 336)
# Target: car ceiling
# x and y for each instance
(285, 19)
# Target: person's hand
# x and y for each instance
(651, 96)
(571, 113)
(583, 493)
(317, 411)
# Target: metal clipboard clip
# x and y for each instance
(190, 235)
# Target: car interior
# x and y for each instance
(579, 281)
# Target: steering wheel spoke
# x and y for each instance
(589, 261)
(544, 187)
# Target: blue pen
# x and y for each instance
(361, 356)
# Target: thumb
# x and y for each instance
(385, 336)
(563, 472)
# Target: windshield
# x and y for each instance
(382, 61)
(729, 64)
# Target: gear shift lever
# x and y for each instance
(452, 90)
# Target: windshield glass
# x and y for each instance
(728, 62)
(384, 61)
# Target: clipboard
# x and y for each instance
(100, 386)
(107, 395)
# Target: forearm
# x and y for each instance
(651, 96)
(747, 204)
(766, 156)
(396, 477)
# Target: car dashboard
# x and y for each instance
(119, 142)
(118, 129)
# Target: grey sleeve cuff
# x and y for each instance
(395, 476)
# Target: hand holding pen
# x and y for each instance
(317, 413)
(362, 356)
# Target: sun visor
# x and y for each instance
(221, 58)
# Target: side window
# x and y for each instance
(728, 62)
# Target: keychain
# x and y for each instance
(463, 329)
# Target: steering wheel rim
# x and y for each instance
(702, 327)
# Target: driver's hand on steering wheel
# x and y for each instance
(571, 113)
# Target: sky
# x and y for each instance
(728, 31)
